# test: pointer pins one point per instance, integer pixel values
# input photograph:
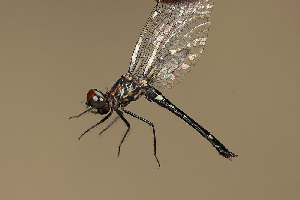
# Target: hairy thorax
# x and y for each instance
(128, 88)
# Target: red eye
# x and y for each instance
(90, 94)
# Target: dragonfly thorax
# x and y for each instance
(127, 89)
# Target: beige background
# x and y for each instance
(245, 90)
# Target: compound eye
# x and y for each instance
(95, 98)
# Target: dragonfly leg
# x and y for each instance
(88, 110)
(150, 124)
(120, 113)
(102, 120)
(76, 116)
(111, 123)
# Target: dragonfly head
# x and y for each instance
(97, 101)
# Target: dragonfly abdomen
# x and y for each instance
(156, 96)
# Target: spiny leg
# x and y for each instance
(91, 108)
(102, 120)
(120, 113)
(76, 116)
(150, 124)
(111, 123)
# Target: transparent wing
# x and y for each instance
(171, 42)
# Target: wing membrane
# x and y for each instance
(171, 42)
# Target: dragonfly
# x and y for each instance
(168, 47)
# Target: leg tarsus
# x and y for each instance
(154, 147)
(91, 108)
(76, 116)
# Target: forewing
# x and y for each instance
(171, 42)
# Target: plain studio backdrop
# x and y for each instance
(244, 90)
